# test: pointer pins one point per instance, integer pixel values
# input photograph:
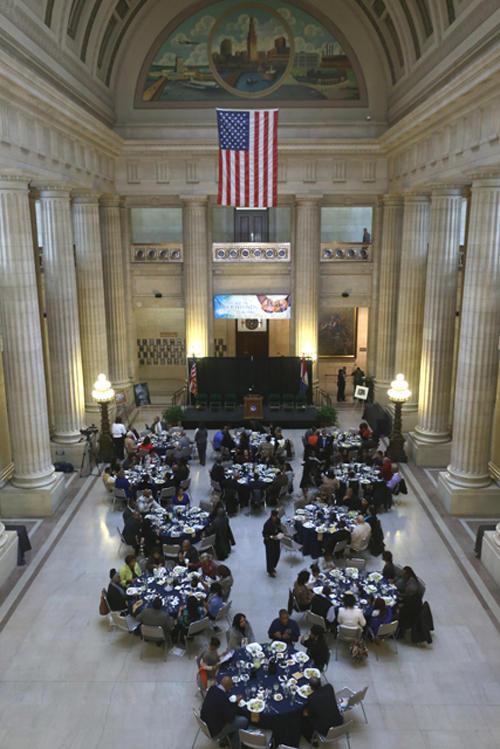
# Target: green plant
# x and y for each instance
(327, 415)
(173, 415)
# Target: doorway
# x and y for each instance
(251, 225)
(252, 343)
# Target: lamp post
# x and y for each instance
(398, 393)
(103, 394)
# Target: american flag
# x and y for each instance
(193, 380)
(304, 378)
(248, 157)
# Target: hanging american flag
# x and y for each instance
(193, 380)
(304, 377)
(248, 157)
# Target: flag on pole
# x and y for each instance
(193, 380)
(248, 157)
(304, 377)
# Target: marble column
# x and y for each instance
(430, 443)
(197, 268)
(371, 348)
(466, 486)
(306, 273)
(390, 261)
(62, 314)
(34, 480)
(127, 284)
(90, 287)
(114, 292)
(411, 300)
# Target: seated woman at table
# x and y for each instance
(381, 614)
(155, 560)
(389, 571)
(146, 443)
(181, 499)
(225, 580)
(130, 571)
(208, 567)
(214, 601)
(122, 482)
(313, 575)
(109, 477)
(364, 431)
(301, 592)
(345, 455)
(386, 469)
(243, 457)
(353, 483)
(117, 598)
(193, 611)
(410, 600)
(316, 646)
(240, 633)
(151, 539)
(349, 614)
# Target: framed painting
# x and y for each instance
(120, 397)
(337, 333)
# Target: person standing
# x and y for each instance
(201, 438)
(272, 527)
(366, 236)
(341, 385)
(118, 433)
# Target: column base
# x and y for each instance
(380, 393)
(469, 502)
(29, 503)
(428, 454)
(8, 556)
(409, 415)
(490, 554)
(67, 453)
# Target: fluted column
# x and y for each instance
(196, 273)
(371, 349)
(390, 261)
(306, 272)
(22, 341)
(477, 371)
(62, 314)
(114, 292)
(411, 300)
(127, 284)
(433, 428)
(90, 287)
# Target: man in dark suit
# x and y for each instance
(341, 534)
(321, 711)
(274, 488)
(220, 714)
(322, 606)
(324, 446)
(217, 472)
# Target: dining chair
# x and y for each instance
(153, 634)
(118, 494)
(202, 726)
(288, 544)
(334, 734)
(206, 505)
(122, 541)
(348, 699)
(386, 632)
(166, 494)
(224, 613)
(260, 738)
(313, 618)
(215, 486)
(186, 483)
(347, 634)
(171, 551)
(360, 564)
(124, 624)
(205, 544)
(200, 687)
(196, 628)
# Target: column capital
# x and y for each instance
(486, 176)
(448, 188)
(416, 195)
(83, 195)
(392, 199)
(60, 190)
(198, 201)
(308, 200)
(14, 180)
(109, 201)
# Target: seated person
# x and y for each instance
(322, 605)
(394, 481)
(130, 571)
(151, 460)
(188, 556)
(326, 562)
(302, 593)
(350, 500)
(152, 540)
(217, 472)
(349, 614)
(244, 457)
(208, 567)
(364, 431)
(123, 483)
(313, 575)
(386, 469)
(274, 488)
(147, 503)
(156, 617)
(380, 614)
(109, 477)
(325, 494)
(129, 510)
(378, 459)
(220, 714)
(364, 457)
(131, 447)
(208, 658)
(193, 611)
(155, 560)
(132, 530)
(217, 440)
(181, 499)
(321, 712)
(146, 443)
(180, 471)
(214, 601)
(284, 629)
(360, 533)
(410, 600)
(353, 483)
(345, 455)
(240, 633)
(117, 598)
(389, 571)
(129, 462)
(341, 534)
(316, 647)
(228, 442)
(225, 580)
(266, 447)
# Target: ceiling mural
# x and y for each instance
(275, 52)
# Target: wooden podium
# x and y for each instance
(253, 407)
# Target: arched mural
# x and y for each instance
(275, 51)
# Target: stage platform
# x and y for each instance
(215, 419)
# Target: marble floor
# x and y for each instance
(62, 684)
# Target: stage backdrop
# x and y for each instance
(280, 374)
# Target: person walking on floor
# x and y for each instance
(272, 529)
(201, 438)
(341, 385)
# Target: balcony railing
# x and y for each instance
(251, 252)
(157, 253)
(346, 251)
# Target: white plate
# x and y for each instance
(304, 691)
(310, 672)
(133, 591)
(351, 571)
(256, 706)
(279, 646)
(233, 697)
(278, 697)
(301, 657)
(308, 525)
(318, 589)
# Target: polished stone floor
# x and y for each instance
(62, 684)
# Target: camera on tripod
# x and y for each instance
(89, 431)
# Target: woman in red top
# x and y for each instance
(364, 431)
(386, 470)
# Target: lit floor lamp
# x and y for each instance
(103, 394)
(398, 394)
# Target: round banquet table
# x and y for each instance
(164, 443)
(362, 584)
(347, 439)
(283, 717)
(247, 471)
(319, 520)
(173, 587)
(177, 525)
(154, 479)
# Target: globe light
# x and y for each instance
(399, 390)
(103, 392)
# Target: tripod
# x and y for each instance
(89, 456)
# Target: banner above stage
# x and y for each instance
(250, 306)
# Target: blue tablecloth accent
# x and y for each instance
(324, 516)
(340, 583)
(173, 597)
(170, 532)
(283, 718)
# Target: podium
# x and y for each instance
(253, 407)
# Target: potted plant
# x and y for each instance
(327, 415)
(173, 415)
